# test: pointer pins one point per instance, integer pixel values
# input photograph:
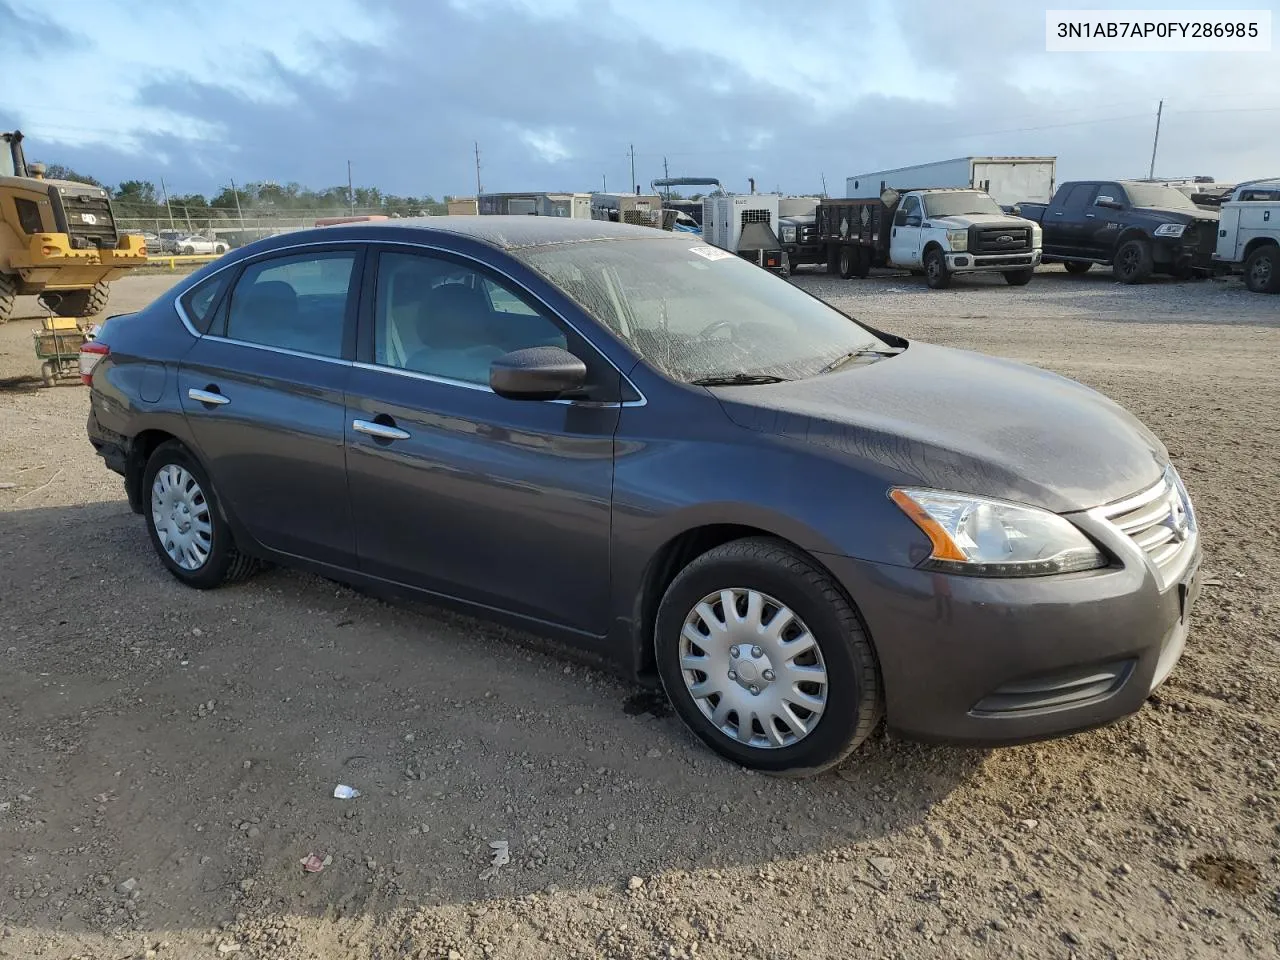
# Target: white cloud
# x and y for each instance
(546, 144)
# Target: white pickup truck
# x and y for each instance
(1249, 234)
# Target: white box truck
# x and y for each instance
(1008, 180)
(745, 224)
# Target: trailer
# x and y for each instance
(575, 205)
(635, 208)
(1008, 180)
(744, 224)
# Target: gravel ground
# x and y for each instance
(168, 757)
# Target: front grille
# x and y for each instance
(1068, 688)
(1161, 523)
(808, 233)
(984, 239)
(89, 221)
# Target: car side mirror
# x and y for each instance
(536, 373)
(1109, 202)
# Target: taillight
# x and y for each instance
(91, 351)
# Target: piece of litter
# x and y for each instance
(312, 863)
(501, 852)
(343, 792)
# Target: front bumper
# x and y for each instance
(992, 661)
(50, 262)
(992, 262)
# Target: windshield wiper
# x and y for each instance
(737, 380)
(854, 355)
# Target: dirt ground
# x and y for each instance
(168, 757)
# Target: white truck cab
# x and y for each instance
(1249, 234)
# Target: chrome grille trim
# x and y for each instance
(1159, 523)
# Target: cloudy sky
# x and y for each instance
(556, 91)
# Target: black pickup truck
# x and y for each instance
(1136, 227)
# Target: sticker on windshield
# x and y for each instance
(711, 253)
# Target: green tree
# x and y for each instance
(56, 171)
(136, 192)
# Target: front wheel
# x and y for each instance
(187, 529)
(765, 659)
(1262, 270)
(219, 249)
(188, 251)
(935, 270)
(1018, 278)
(1133, 263)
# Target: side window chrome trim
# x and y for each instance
(285, 350)
(415, 244)
(481, 388)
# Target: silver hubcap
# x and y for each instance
(753, 668)
(180, 514)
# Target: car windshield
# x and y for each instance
(696, 312)
(959, 203)
(1159, 195)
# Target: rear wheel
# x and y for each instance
(1262, 270)
(219, 249)
(189, 251)
(848, 262)
(8, 296)
(187, 530)
(1018, 278)
(1078, 266)
(1133, 263)
(77, 303)
(765, 659)
(935, 270)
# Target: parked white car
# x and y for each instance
(194, 243)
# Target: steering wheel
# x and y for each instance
(712, 327)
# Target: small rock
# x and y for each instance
(228, 948)
(454, 955)
(1071, 937)
(635, 883)
(1029, 824)
(247, 764)
(882, 865)
(8, 486)
(654, 754)
(999, 925)
(408, 738)
(253, 833)
(127, 886)
(1125, 869)
(1267, 763)
(197, 632)
(246, 885)
(6, 931)
(724, 808)
(24, 798)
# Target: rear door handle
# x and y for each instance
(1090, 215)
(208, 396)
(382, 431)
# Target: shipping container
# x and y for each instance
(1008, 180)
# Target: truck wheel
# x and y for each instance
(1262, 270)
(1078, 266)
(1133, 262)
(935, 270)
(78, 303)
(848, 262)
(8, 296)
(1018, 278)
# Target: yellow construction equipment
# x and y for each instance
(58, 239)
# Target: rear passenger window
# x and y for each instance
(294, 303)
(201, 301)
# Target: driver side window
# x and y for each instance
(910, 211)
(437, 317)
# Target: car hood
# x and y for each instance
(978, 219)
(1168, 215)
(955, 420)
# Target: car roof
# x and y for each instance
(504, 232)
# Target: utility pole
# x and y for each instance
(633, 168)
(166, 202)
(351, 190)
(604, 183)
(479, 189)
(666, 176)
(236, 193)
(824, 183)
(1151, 173)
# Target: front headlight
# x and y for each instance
(1036, 235)
(958, 240)
(1171, 229)
(788, 234)
(991, 538)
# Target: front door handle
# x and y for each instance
(1090, 215)
(382, 431)
(208, 396)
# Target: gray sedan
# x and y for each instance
(646, 446)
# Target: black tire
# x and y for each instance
(77, 303)
(223, 562)
(833, 260)
(1133, 263)
(219, 249)
(1262, 270)
(848, 262)
(935, 270)
(1078, 266)
(8, 296)
(854, 702)
(188, 251)
(1018, 278)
